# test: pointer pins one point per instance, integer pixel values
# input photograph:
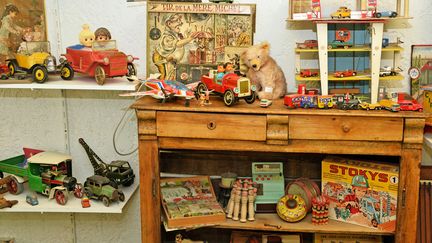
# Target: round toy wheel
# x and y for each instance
(354, 73)
(420, 110)
(201, 88)
(105, 201)
(14, 187)
(78, 190)
(378, 15)
(100, 75)
(66, 72)
(4, 77)
(40, 74)
(12, 67)
(393, 15)
(132, 71)
(121, 197)
(341, 75)
(251, 98)
(128, 183)
(229, 98)
(330, 47)
(60, 197)
(346, 47)
(1, 175)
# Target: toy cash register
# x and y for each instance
(270, 181)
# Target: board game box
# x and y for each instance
(361, 192)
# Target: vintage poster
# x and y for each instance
(186, 40)
(421, 61)
(21, 21)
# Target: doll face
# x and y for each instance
(102, 38)
(87, 40)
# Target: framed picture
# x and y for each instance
(421, 70)
(194, 35)
(20, 21)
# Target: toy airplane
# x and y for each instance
(165, 90)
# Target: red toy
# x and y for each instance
(305, 73)
(231, 86)
(346, 73)
(308, 44)
(4, 72)
(407, 103)
(101, 61)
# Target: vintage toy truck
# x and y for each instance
(231, 86)
(48, 173)
(98, 187)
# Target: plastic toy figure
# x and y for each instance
(85, 202)
(220, 72)
(102, 34)
(86, 37)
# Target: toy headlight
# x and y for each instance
(106, 61)
(50, 63)
(253, 87)
(130, 58)
(236, 90)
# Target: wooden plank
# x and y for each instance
(345, 128)
(295, 146)
(277, 129)
(413, 132)
(344, 91)
(146, 123)
(303, 226)
(201, 125)
(426, 172)
(149, 191)
(408, 195)
(377, 36)
(322, 29)
(277, 108)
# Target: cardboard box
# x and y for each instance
(189, 202)
(361, 192)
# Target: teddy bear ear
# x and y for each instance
(265, 45)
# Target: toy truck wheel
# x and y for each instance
(229, 98)
(14, 187)
(12, 67)
(60, 197)
(378, 15)
(121, 197)
(66, 72)
(354, 73)
(393, 15)
(78, 190)
(346, 47)
(420, 110)
(40, 74)
(132, 71)
(251, 98)
(128, 182)
(201, 88)
(105, 201)
(1, 175)
(100, 75)
(4, 77)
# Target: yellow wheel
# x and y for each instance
(40, 74)
(66, 72)
(12, 68)
(100, 75)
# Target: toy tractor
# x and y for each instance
(118, 172)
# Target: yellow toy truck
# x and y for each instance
(342, 12)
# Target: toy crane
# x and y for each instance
(118, 171)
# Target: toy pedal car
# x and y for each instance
(35, 58)
(101, 61)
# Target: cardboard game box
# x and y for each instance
(361, 192)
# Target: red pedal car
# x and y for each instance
(231, 86)
(101, 61)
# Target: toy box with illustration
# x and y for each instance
(361, 192)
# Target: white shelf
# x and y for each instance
(72, 206)
(78, 83)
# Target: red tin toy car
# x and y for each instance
(407, 103)
(101, 61)
(308, 44)
(306, 73)
(4, 72)
(231, 86)
(346, 73)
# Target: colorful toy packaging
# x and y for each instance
(361, 192)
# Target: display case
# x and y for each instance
(214, 139)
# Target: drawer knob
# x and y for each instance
(211, 125)
(346, 128)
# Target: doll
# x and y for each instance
(86, 36)
(102, 34)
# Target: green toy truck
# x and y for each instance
(48, 173)
(99, 187)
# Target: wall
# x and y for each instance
(35, 118)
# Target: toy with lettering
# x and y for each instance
(98, 59)
(291, 208)
(361, 192)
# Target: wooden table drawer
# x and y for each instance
(216, 126)
(346, 128)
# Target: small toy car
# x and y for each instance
(387, 71)
(101, 61)
(367, 106)
(306, 73)
(231, 86)
(264, 103)
(99, 187)
(35, 58)
(308, 44)
(346, 73)
(339, 43)
(32, 199)
(389, 105)
(342, 12)
(390, 14)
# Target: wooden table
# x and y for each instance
(172, 126)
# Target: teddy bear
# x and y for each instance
(264, 72)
